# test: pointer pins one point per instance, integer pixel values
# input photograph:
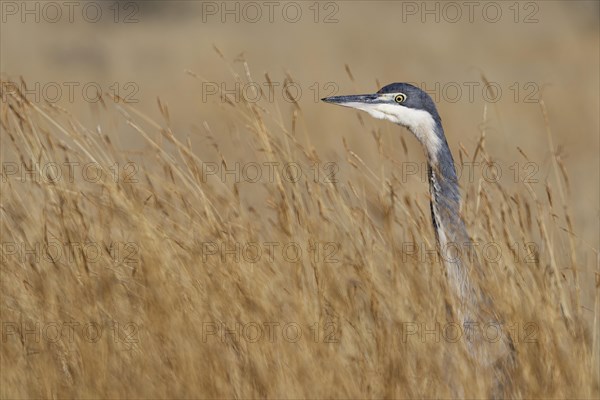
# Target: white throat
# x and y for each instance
(420, 122)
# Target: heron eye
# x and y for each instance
(400, 98)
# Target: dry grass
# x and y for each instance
(168, 293)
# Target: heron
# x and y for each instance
(409, 106)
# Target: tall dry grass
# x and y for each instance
(178, 321)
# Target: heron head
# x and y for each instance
(402, 104)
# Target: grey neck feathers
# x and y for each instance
(445, 194)
(463, 269)
(451, 234)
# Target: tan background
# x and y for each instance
(555, 52)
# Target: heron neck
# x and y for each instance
(445, 195)
(462, 267)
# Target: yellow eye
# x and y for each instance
(400, 98)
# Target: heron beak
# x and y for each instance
(377, 105)
(353, 99)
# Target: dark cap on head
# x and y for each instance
(415, 97)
